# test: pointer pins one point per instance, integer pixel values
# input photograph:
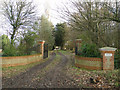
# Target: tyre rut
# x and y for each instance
(56, 78)
(24, 79)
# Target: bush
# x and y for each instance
(9, 50)
(117, 54)
(116, 63)
(117, 59)
(33, 52)
(89, 50)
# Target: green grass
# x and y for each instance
(12, 71)
(64, 52)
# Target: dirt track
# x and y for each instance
(53, 78)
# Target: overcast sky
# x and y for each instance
(51, 5)
(41, 5)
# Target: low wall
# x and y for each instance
(20, 60)
(88, 63)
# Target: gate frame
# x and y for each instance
(44, 51)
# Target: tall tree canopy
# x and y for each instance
(28, 42)
(44, 29)
(60, 34)
(97, 22)
(18, 14)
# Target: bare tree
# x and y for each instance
(99, 21)
(18, 13)
(114, 9)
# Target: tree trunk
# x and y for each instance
(118, 46)
(12, 36)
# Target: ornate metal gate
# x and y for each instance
(45, 54)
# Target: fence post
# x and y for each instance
(108, 57)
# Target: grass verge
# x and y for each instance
(109, 79)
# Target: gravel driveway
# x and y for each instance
(53, 78)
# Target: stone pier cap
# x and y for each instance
(107, 49)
